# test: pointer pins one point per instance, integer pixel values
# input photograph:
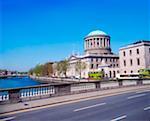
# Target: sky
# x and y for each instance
(37, 31)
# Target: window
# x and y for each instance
(100, 59)
(130, 52)
(110, 59)
(131, 62)
(91, 59)
(137, 51)
(124, 54)
(117, 65)
(106, 59)
(110, 74)
(96, 59)
(110, 65)
(113, 65)
(113, 60)
(138, 61)
(125, 72)
(118, 71)
(149, 50)
(92, 66)
(97, 43)
(97, 38)
(114, 74)
(131, 71)
(97, 66)
(124, 62)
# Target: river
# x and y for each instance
(16, 82)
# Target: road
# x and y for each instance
(133, 106)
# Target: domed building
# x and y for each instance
(97, 42)
(97, 56)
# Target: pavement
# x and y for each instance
(125, 104)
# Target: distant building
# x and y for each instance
(97, 56)
(134, 57)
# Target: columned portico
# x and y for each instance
(97, 42)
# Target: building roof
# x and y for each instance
(141, 41)
(136, 44)
(96, 32)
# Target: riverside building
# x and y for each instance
(134, 57)
(97, 57)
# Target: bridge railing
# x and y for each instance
(50, 90)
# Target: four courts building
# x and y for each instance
(97, 57)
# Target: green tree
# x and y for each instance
(62, 67)
(37, 70)
(47, 69)
(42, 70)
(79, 67)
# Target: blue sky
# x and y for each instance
(37, 31)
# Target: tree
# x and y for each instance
(37, 70)
(62, 67)
(47, 69)
(42, 70)
(79, 67)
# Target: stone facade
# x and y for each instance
(97, 56)
(134, 57)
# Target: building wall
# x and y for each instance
(147, 56)
(129, 61)
(93, 64)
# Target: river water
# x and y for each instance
(16, 82)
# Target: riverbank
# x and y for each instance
(9, 76)
(58, 79)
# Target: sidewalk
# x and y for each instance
(54, 101)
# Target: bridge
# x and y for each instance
(16, 95)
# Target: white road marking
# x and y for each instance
(119, 118)
(7, 119)
(91, 106)
(135, 96)
(147, 108)
(143, 91)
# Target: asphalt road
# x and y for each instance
(134, 106)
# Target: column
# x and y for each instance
(106, 45)
(90, 43)
(99, 42)
(108, 42)
(85, 44)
